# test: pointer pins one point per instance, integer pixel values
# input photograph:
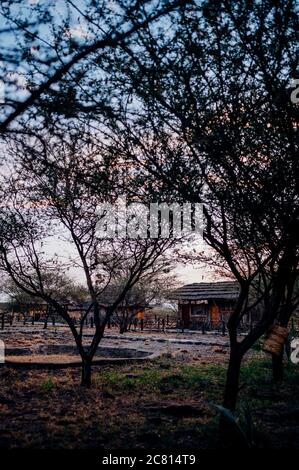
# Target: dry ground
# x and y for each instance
(163, 404)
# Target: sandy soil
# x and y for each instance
(189, 347)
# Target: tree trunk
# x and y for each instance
(277, 367)
(123, 326)
(86, 373)
(227, 432)
(232, 381)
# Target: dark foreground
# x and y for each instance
(160, 405)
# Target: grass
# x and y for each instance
(115, 411)
(48, 385)
(208, 378)
(156, 378)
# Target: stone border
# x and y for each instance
(182, 341)
(27, 365)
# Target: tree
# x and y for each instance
(205, 113)
(21, 302)
(41, 204)
(152, 289)
(43, 46)
(196, 106)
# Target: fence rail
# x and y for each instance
(148, 323)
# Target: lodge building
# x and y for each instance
(205, 303)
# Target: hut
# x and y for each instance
(205, 302)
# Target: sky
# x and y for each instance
(185, 273)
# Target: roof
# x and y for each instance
(228, 290)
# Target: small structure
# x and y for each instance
(128, 309)
(131, 308)
(205, 303)
(22, 310)
(275, 339)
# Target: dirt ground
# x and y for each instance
(164, 404)
(190, 347)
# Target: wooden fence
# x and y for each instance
(149, 323)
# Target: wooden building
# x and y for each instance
(205, 303)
